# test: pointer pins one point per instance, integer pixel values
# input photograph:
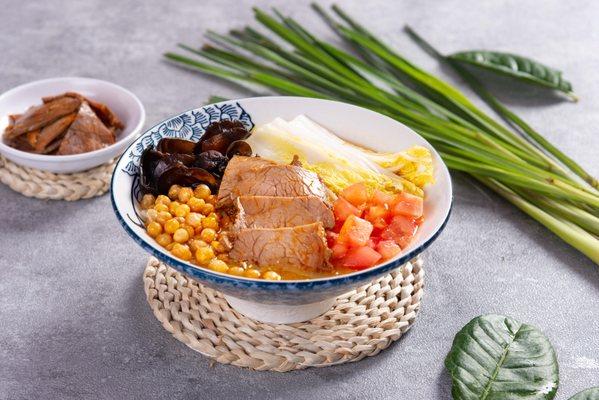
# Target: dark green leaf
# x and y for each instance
(588, 394)
(515, 66)
(497, 357)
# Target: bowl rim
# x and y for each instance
(81, 156)
(295, 284)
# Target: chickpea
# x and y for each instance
(151, 215)
(161, 207)
(202, 191)
(204, 255)
(154, 229)
(185, 194)
(164, 239)
(237, 271)
(181, 235)
(194, 244)
(207, 208)
(173, 206)
(252, 273)
(162, 199)
(213, 215)
(217, 246)
(271, 276)
(210, 223)
(163, 216)
(181, 251)
(189, 229)
(171, 225)
(196, 204)
(147, 201)
(193, 219)
(211, 199)
(218, 265)
(182, 210)
(208, 235)
(173, 192)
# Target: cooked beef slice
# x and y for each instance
(53, 131)
(86, 133)
(105, 114)
(255, 176)
(279, 212)
(301, 246)
(24, 142)
(38, 116)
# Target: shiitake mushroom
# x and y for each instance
(239, 148)
(232, 129)
(212, 161)
(179, 146)
(219, 136)
(186, 163)
(179, 174)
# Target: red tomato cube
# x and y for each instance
(331, 238)
(388, 249)
(408, 204)
(376, 216)
(343, 209)
(338, 250)
(355, 231)
(401, 230)
(381, 198)
(360, 258)
(357, 194)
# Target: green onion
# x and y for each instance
(515, 161)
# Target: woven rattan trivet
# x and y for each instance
(40, 184)
(362, 322)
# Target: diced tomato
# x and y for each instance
(408, 204)
(388, 249)
(360, 258)
(357, 194)
(343, 209)
(338, 250)
(331, 238)
(381, 198)
(401, 230)
(376, 216)
(355, 231)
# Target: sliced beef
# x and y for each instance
(38, 116)
(279, 212)
(255, 176)
(54, 131)
(86, 133)
(105, 114)
(302, 247)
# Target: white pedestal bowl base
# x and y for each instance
(280, 313)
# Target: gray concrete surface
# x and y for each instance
(73, 319)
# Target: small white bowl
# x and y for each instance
(121, 101)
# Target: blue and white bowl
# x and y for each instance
(282, 301)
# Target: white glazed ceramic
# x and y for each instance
(296, 300)
(124, 104)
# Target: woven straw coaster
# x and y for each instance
(362, 322)
(40, 184)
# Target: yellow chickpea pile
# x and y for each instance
(186, 224)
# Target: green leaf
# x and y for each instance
(497, 357)
(516, 66)
(588, 394)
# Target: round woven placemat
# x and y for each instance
(40, 184)
(361, 323)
